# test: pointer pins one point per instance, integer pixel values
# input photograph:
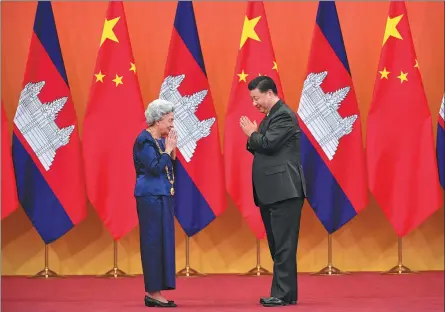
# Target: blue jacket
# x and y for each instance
(149, 164)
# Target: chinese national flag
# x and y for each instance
(114, 117)
(255, 57)
(9, 190)
(400, 146)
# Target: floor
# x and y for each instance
(357, 292)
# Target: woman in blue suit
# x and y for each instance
(153, 155)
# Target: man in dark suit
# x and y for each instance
(278, 184)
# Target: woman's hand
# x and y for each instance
(173, 154)
(170, 142)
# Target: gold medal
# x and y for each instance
(172, 179)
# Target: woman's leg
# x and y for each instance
(168, 233)
(150, 211)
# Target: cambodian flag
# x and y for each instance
(440, 147)
(200, 194)
(46, 148)
(331, 139)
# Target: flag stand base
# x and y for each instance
(46, 272)
(399, 269)
(330, 269)
(258, 270)
(115, 272)
(188, 271)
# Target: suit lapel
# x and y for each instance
(264, 125)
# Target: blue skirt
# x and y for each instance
(157, 242)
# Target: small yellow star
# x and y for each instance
(249, 30)
(259, 74)
(391, 28)
(107, 32)
(242, 76)
(402, 76)
(417, 64)
(384, 73)
(275, 66)
(99, 76)
(118, 80)
(133, 67)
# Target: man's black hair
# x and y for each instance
(263, 84)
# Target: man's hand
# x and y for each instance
(247, 126)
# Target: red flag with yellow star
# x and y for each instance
(255, 57)
(113, 119)
(400, 147)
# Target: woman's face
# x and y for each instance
(166, 124)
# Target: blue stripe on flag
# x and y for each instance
(327, 20)
(324, 194)
(185, 25)
(36, 197)
(441, 154)
(45, 30)
(191, 209)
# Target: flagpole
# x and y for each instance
(188, 271)
(330, 269)
(46, 272)
(258, 270)
(115, 272)
(400, 268)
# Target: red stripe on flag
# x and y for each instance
(9, 190)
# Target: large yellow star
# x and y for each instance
(99, 76)
(108, 32)
(275, 66)
(384, 73)
(242, 76)
(402, 76)
(249, 30)
(118, 80)
(391, 28)
(133, 67)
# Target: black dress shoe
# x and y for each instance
(292, 302)
(151, 302)
(169, 301)
(273, 302)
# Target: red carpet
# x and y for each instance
(358, 292)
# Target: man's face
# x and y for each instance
(261, 101)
